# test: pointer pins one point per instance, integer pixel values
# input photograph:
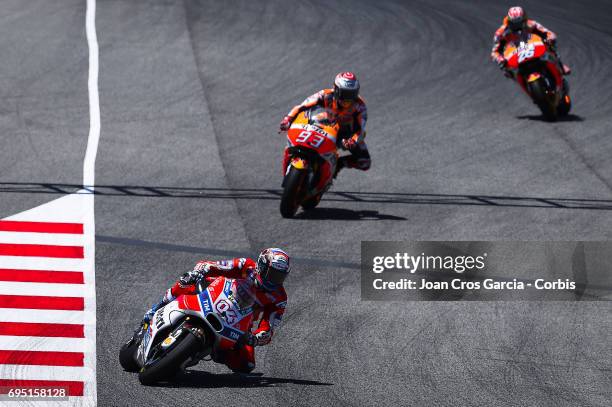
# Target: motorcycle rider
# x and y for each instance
(267, 276)
(351, 113)
(514, 23)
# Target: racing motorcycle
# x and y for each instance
(190, 328)
(537, 71)
(313, 157)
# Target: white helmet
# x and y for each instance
(346, 87)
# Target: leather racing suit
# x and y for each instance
(352, 126)
(504, 35)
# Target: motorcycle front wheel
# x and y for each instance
(127, 356)
(166, 365)
(292, 192)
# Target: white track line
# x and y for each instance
(38, 372)
(94, 98)
(46, 289)
(56, 239)
(40, 263)
(74, 208)
(44, 344)
(50, 316)
(90, 395)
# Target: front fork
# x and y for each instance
(295, 162)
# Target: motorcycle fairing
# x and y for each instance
(222, 299)
(163, 318)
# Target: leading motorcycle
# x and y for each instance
(191, 327)
(537, 70)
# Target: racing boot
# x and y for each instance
(139, 333)
(164, 301)
(341, 164)
(241, 361)
(146, 319)
(218, 356)
(565, 69)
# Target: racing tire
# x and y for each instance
(127, 356)
(538, 93)
(292, 191)
(169, 364)
(311, 203)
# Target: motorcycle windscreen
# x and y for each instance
(242, 295)
(319, 116)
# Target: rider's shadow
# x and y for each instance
(201, 379)
(569, 118)
(344, 214)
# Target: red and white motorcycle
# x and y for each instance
(190, 328)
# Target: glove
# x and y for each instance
(551, 44)
(202, 267)
(190, 277)
(262, 338)
(285, 123)
(349, 143)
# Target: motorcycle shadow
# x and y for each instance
(344, 214)
(207, 380)
(540, 118)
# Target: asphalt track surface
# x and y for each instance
(189, 167)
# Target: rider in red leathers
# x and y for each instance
(351, 113)
(515, 22)
(267, 275)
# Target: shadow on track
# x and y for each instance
(344, 214)
(205, 380)
(540, 118)
(332, 196)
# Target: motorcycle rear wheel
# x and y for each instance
(169, 364)
(292, 191)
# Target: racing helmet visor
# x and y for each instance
(516, 24)
(270, 274)
(346, 95)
